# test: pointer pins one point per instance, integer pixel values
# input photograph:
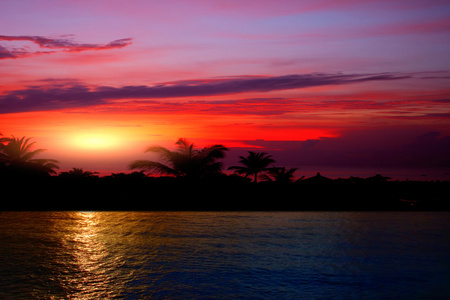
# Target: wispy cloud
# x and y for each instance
(398, 109)
(58, 97)
(55, 44)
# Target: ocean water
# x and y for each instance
(224, 255)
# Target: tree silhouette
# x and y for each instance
(17, 155)
(253, 164)
(2, 141)
(78, 173)
(185, 161)
(280, 175)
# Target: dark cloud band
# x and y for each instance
(38, 98)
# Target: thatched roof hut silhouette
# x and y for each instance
(378, 179)
(318, 179)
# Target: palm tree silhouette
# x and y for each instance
(281, 175)
(17, 155)
(253, 164)
(185, 161)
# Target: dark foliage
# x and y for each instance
(17, 158)
(135, 191)
(197, 183)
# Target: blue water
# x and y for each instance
(224, 255)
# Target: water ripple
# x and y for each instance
(188, 255)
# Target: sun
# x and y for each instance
(95, 141)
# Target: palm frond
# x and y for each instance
(265, 177)
(214, 151)
(153, 166)
(45, 161)
(25, 146)
(215, 167)
(241, 170)
(28, 155)
(210, 154)
(300, 179)
(185, 147)
(163, 152)
(3, 140)
(18, 152)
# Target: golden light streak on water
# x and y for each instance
(89, 261)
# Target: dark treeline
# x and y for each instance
(193, 179)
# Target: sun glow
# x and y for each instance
(95, 141)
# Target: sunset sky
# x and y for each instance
(319, 84)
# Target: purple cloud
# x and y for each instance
(62, 44)
(58, 97)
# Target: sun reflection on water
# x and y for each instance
(90, 274)
(89, 250)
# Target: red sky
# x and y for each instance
(318, 84)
